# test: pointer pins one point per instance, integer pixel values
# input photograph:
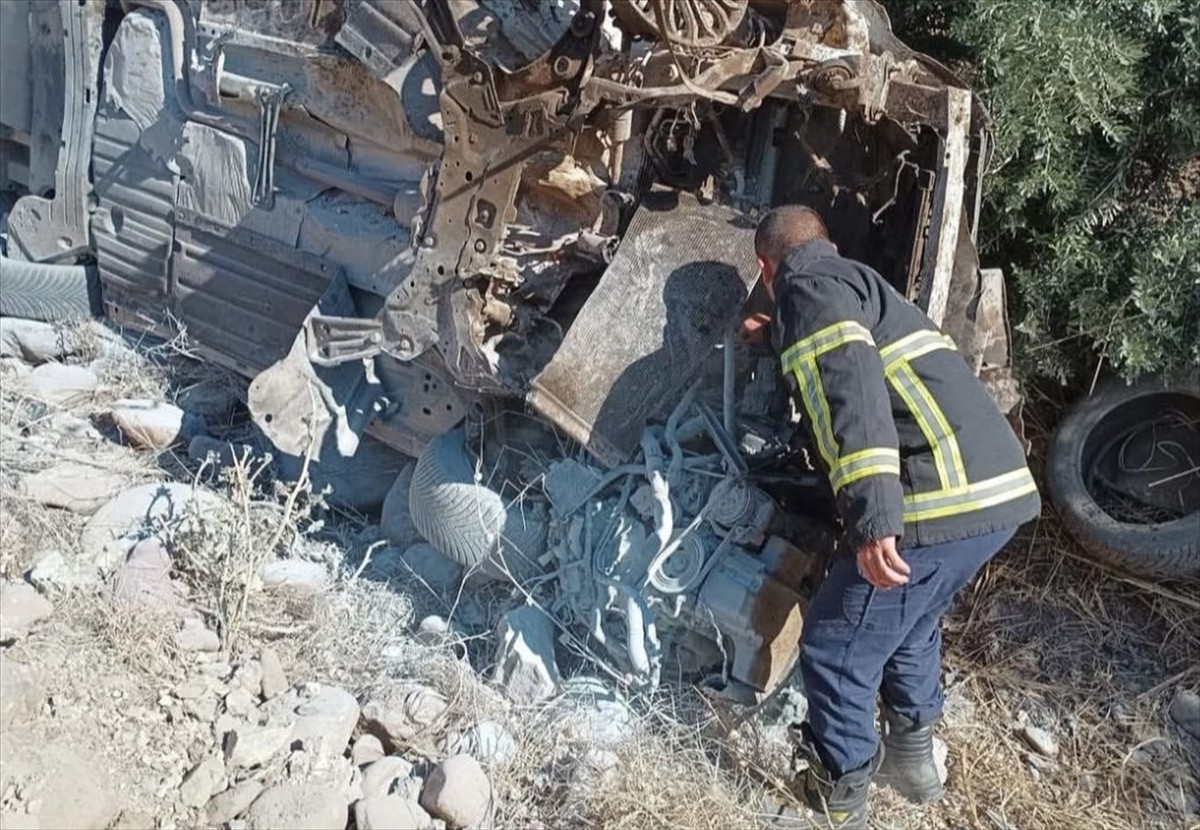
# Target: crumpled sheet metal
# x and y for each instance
(676, 284)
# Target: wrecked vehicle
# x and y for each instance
(531, 219)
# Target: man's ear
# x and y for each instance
(768, 271)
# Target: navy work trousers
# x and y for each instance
(860, 641)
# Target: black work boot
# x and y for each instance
(908, 766)
(839, 803)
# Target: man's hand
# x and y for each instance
(754, 328)
(881, 565)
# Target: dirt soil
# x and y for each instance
(252, 666)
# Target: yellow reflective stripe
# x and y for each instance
(983, 494)
(928, 415)
(913, 346)
(830, 337)
(808, 381)
(935, 497)
(868, 462)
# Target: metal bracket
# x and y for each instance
(270, 102)
(336, 340)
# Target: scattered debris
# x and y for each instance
(525, 665)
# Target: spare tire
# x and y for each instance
(1123, 473)
(52, 293)
(469, 522)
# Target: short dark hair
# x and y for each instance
(786, 227)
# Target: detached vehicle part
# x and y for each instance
(415, 221)
(1125, 475)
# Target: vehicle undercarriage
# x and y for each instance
(531, 218)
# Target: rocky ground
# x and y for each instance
(196, 634)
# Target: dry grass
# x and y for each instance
(1081, 652)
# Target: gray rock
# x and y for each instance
(202, 782)
(73, 787)
(525, 666)
(194, 636)
(105, 536)
(225, 807)
(458, 791)
(274, 681)
(54, 573)
(251, 746)
(21, 607)
(295, 806)
(390, 812)
(249, 676)
(80, 488)
(382, 777)
(1185, 711)
(367, 749)
(154, 425)
(35, 341)
(295, 575)
(489, 742)
(1039, 740)
(61, 385)
(239, 702)
(403, 715)
(395, 518)
(423, 563)
(325, 720)
(144, 579)
(21, 692)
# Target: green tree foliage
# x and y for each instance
(1093, 195)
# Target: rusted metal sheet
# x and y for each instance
(677, 282)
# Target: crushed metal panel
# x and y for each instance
(241, 293)
(302, 407)
(676, 283)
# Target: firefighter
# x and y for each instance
(930, 484)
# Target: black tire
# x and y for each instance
(52, 293)
(1169, 549)
(469, 522)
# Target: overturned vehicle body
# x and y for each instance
(513, 238)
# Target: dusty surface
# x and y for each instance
(251, 668)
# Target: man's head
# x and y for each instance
(779, 231)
